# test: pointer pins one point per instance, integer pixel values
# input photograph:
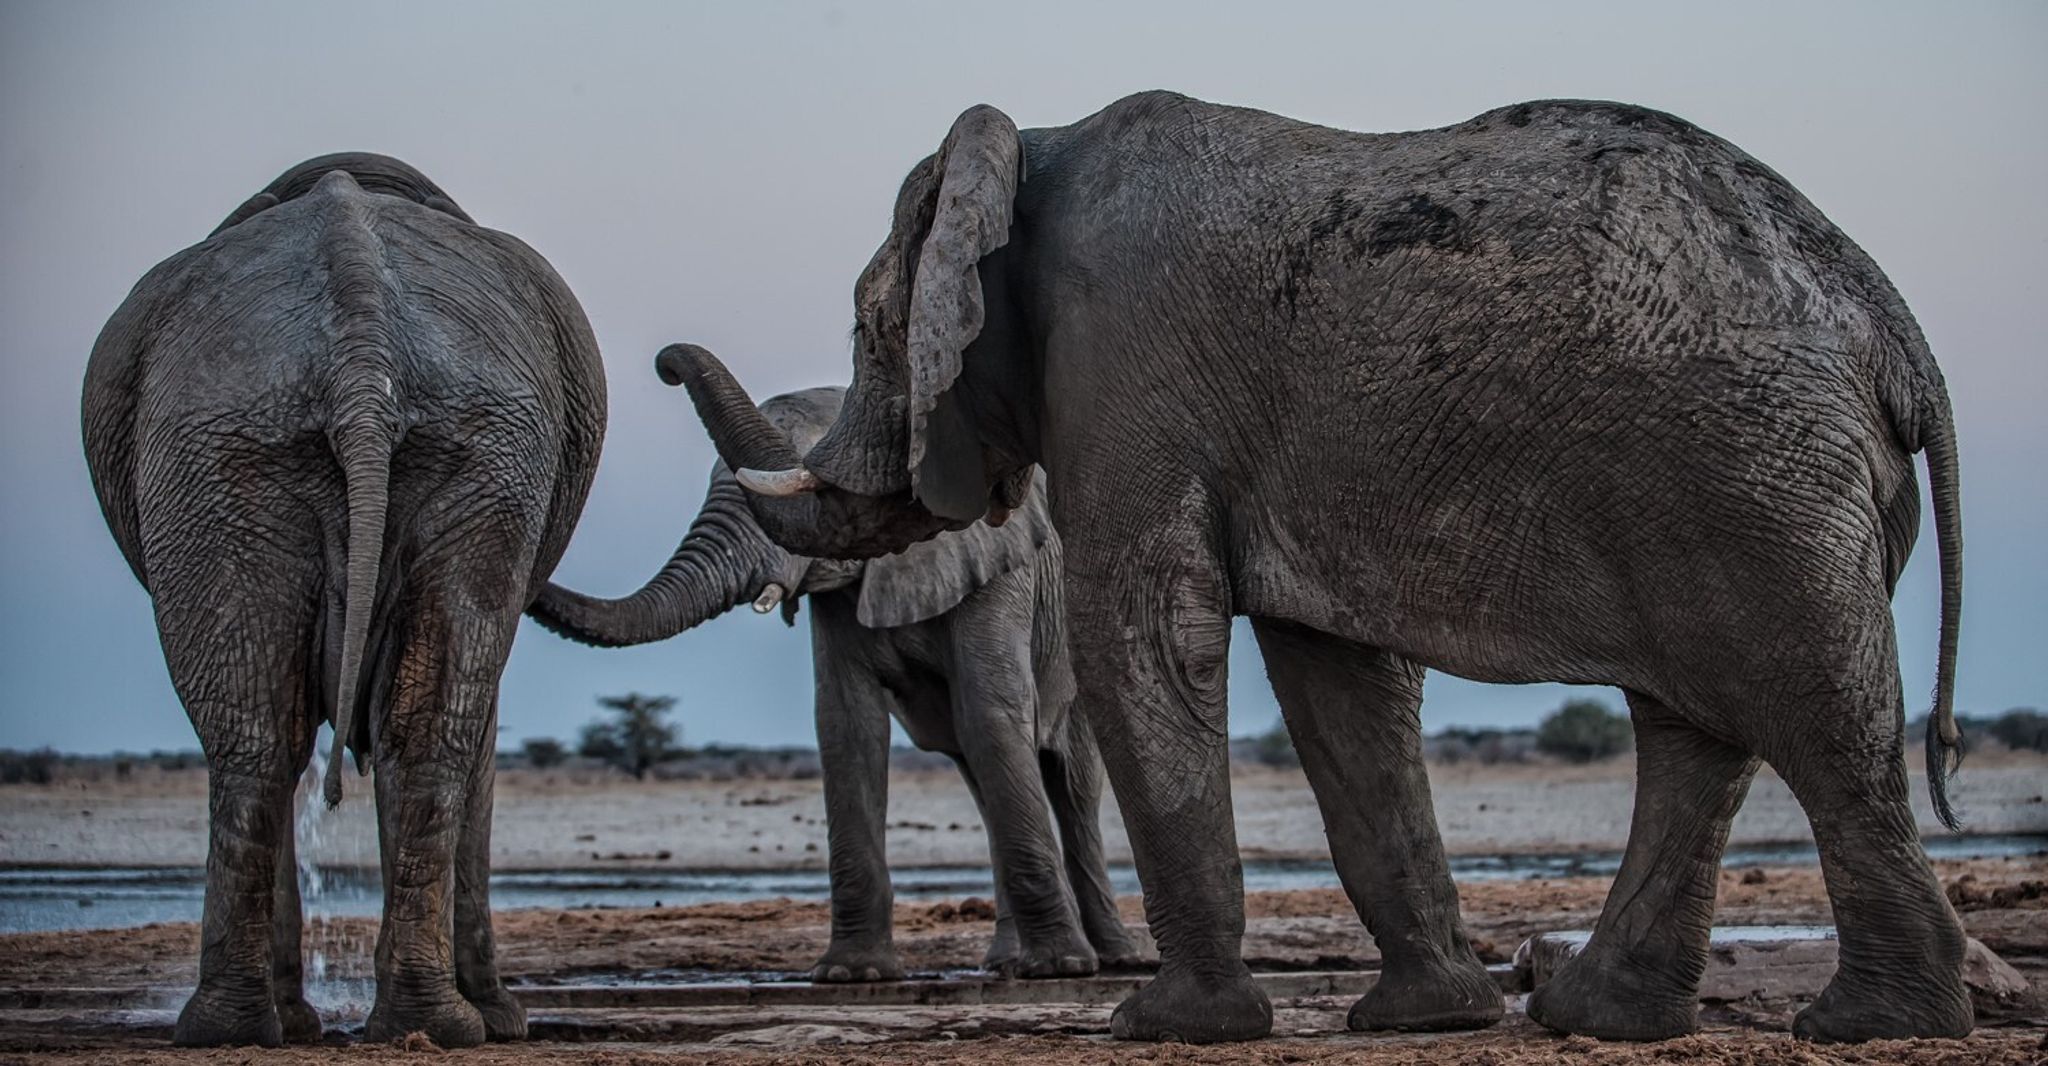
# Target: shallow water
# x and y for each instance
(113, 898)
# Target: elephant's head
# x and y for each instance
(725, 559)
(914, 450)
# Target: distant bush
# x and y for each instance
(543, 753)
(2021, 729)
(27, 767)
(1488, 747)
(1584, 731)
(1275, 747)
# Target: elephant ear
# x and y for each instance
(980, 166)
(931, 577)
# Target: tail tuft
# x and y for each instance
(1944, 758)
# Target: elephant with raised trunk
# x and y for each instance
(342, 441)
(1570, 391)
(961, 639)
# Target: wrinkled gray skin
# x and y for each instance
(342, 442)
(961, 639)
(1570, 392)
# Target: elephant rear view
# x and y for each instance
(961, 639)
(341, 441)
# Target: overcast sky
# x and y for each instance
(721, 174)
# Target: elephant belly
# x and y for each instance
(913, 664)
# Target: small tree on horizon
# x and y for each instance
(637, 739)
(1584, 731)
(544, 752)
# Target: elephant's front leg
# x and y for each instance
(476, 953)
(1150, 633)
(853, 710)
(1355, 717)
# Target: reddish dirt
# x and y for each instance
(1512, 1044)
(2002, 902)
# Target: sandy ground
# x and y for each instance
(557, 820)
(2002, 902)
(554, 820)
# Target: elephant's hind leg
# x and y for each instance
(995, 707)
(1638, 978)
(238, 653)
(1073, 783)
(438, 723)
(476, 952)
(1840, 748)
(287, 958)
(1005, 948)
(1354, 714)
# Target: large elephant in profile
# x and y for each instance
(342, 441)
(1569, 391)
(961, 639)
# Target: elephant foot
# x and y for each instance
(446, 1019)
(504, 1017)
(301, 1022)
(1069, 957)
(1117, 952)
(1851, 1011)
(1430, 999)
(1183, 1006)
(847, 963)
(1588, 999)
(1004, 949)
(215, 1018)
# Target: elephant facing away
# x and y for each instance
(341, 442)
(1570, 391)
(962, 640)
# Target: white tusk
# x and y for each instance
(792, 482)
(768, 598)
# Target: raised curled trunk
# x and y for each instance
(722, 562)
(828, 521)
(744, 437)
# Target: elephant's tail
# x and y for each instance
(363, 430)
(1944, 737)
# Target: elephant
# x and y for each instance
(1569, 391)
(962, 640)
(341, 442)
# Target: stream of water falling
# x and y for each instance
(338, 970)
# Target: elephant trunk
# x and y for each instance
(744, 437)
(721, 563)
(795, 507)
